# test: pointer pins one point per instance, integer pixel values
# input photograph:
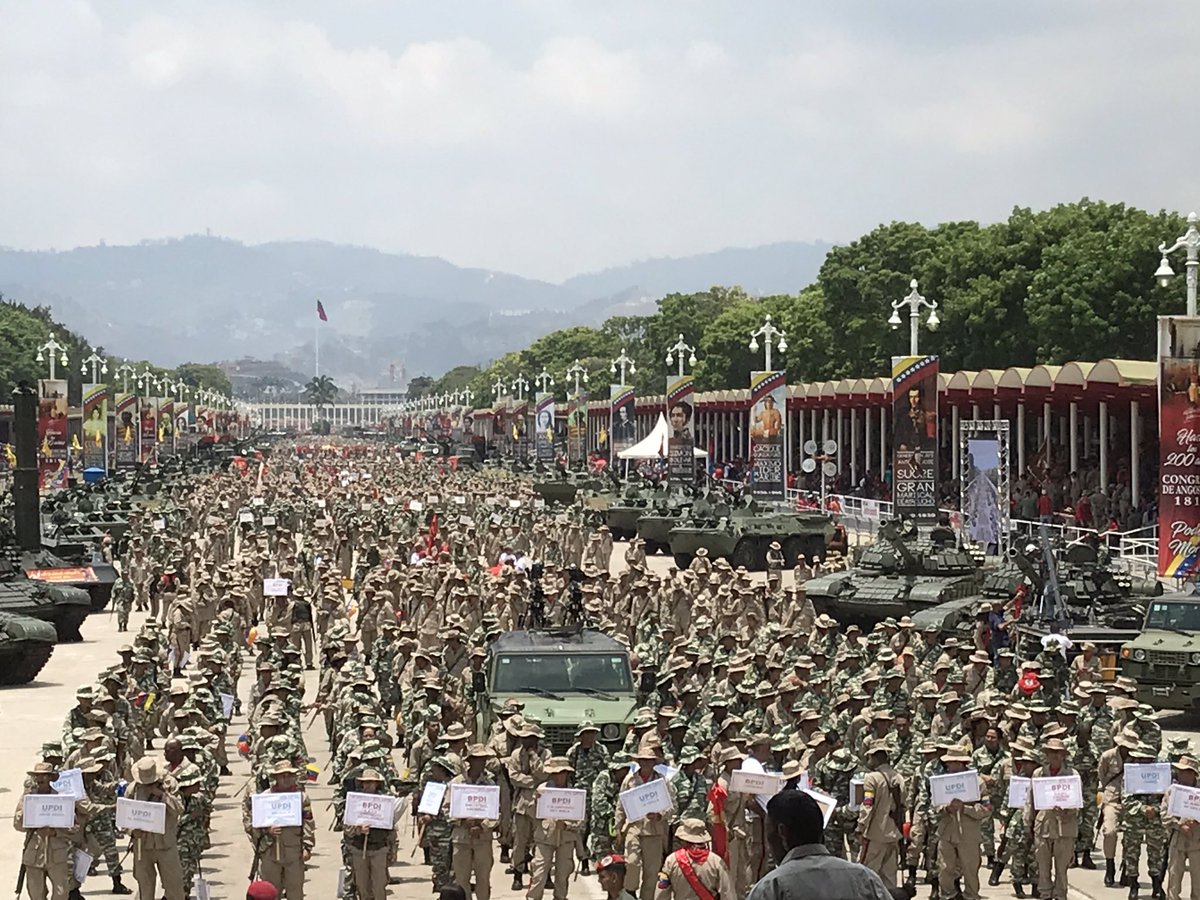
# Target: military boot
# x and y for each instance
(1157, 892)
(1133, 888)
(911, 881)
(1087, 862)
(118, 887)
(1110, 872)
(994, 878)
(1019, 890)
(1034, 891)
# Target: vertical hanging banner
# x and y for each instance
(1178, 446)
(915, 436)
(577, 429)
(681, 440)
(52, 433)
(984, 487)
(519, 428)
(768, 424)
(543, 423)
(95, 426)
(126, 432)
(166, 424)
(183, 426)
(148, 427)
(622, 430)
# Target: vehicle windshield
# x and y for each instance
(563, 673)
(1174, 615)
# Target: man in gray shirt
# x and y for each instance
(796, 832)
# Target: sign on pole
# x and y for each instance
(1178, 446)
(543, 423)
(622, 431)
(681, 439)
(768, 430)
(562, 803)
(1058, 792)
(95, 426)
(577, 429)
(915, 436)
(270, 809)
(374, 810)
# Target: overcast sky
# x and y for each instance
(548, 137)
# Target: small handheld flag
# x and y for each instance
(311, 772)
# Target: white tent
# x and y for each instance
(654, 445)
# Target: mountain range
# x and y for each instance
(202, 298)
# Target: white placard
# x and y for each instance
(765, 783)
(432, 498)
(466, 520)
(1147, 778)
(950, 786)
(651, 797)
(804, 782)
(538, 503)
(857, 790)
(415, 506)
(48, 811)
(268, 521)
(246, 518)
(474, 801)
(201, 888)
(83, 863)
(827, 803)
(141, 815)
(227, 701)
(1057, 792)
(666, 771)
(389, 501)
(70, 784)
(496, 520)
(320, 504)
(1018, 790)
(562, 803)
(514, 504)
(460, 500)
(1184, 802)
(276, 587)
(491, 501)
(160, 524)
(268, 810)
(376, 810)
(431, 798)
(257, 501)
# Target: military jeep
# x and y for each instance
(564, 677)
(1164, 659)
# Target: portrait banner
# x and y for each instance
(1178, 446)
(577, 429)
(915, 436)
(127, 431)
(166, 424)
(768, 424)
(183, 426)
(681, 440)
(95, 426)
(543, 422)
(52, 433)
(148, 427)
(622, 430)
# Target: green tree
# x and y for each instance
(419, 386)
(320, 391)
(204, 375)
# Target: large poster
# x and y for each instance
(126, 431)
(519, 428)
(577, 429)
(1179, 446)
(95, 426)
(183, 426)
(984, 487)
(681, 441)
(768, 425)
(622, 431)
(915, 436)
(148, 414)
(166, 424)
(52, 433)
(544, 427)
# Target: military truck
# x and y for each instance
(564, 677)
(1164, 659)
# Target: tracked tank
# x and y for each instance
(743, 534)
(26, 644)
(903, 573)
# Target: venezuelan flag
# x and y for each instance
(311, 772)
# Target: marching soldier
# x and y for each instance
(1054, 830)
(46, 855)
(1183, 836)
(693, 872)
(959, 835)
(282, 850)
(644, 841)
(370, 847)
(156, 856)
(472, 838)
(882, 810)
(554, 839)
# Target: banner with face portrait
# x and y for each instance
(681, 438)
(126, 431)
(577, 429)
(148, 425)
(543, 422)
(915, 436)
(1178, 446)
(518, 428)
(622, 427)
(768, 434)
(183, 425)
(95, 426)
(52, 433)
(166, 425)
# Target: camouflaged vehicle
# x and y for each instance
(665, 512)
(902, 574)
(563, 487)
(743, 534)
(622, 512)
(1164, 658)
(564, 677)
(25, 647)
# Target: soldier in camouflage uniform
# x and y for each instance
(588, 757)
(1141, 823)
(603, 803)
(1017, 841)
(437, 829)
(122, 600)
(193, 824)
(100, 834)
(986, 760)
(690, 788)
(832, 774)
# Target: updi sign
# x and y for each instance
(1057, 792)
(47, 811)
(275, 587)
(271, 810)
(474, 801)
(1184, 802)
(1018, 790)
(651, 797)
(1147, 778)
(374, 810)
(569, 804)
(743, 782)
(141, 815)
(70, 784)
(945, 789)
(431, 798)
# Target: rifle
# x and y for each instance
(258, 848)
(20, 879)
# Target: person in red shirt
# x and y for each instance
(1045, 507)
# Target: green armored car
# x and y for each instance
(1164, 659)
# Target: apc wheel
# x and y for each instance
(792, 548)
(744, 554)
(682, 560)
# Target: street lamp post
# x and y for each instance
(768, 332)
(626, 364)
(467, 396)
(98, 364)
(544, 381)
(520, 386)
(577, 371)
(499, 387)
(123, 372)
(1190, 242)
(53, 347)
(914, 301)
(677, 350)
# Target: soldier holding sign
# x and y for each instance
(959, 834)
(369, 845)
(281, 850)
(472, 838)
(1183, 835)
(156, 855)
(46, 856)
(1054, 828)
(554, 838)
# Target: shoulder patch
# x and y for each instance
(664, 881)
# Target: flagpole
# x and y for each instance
(317, 346)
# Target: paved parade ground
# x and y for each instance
(34, 714)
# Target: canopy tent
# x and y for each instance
(654, 445)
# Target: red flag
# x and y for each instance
(321, 312)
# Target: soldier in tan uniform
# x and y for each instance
(554, 839)
(959, 835)
(1183, 836)
(46, 854)
(282, 851)
(472, 838)
(1054, 830)
(1110, 774)
(694, 872)
(878, 830)
(524, 768)
(157, 855)
(370, 847)
(645, 841)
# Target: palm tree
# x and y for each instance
(320, 391)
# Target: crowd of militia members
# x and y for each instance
(395, 604)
